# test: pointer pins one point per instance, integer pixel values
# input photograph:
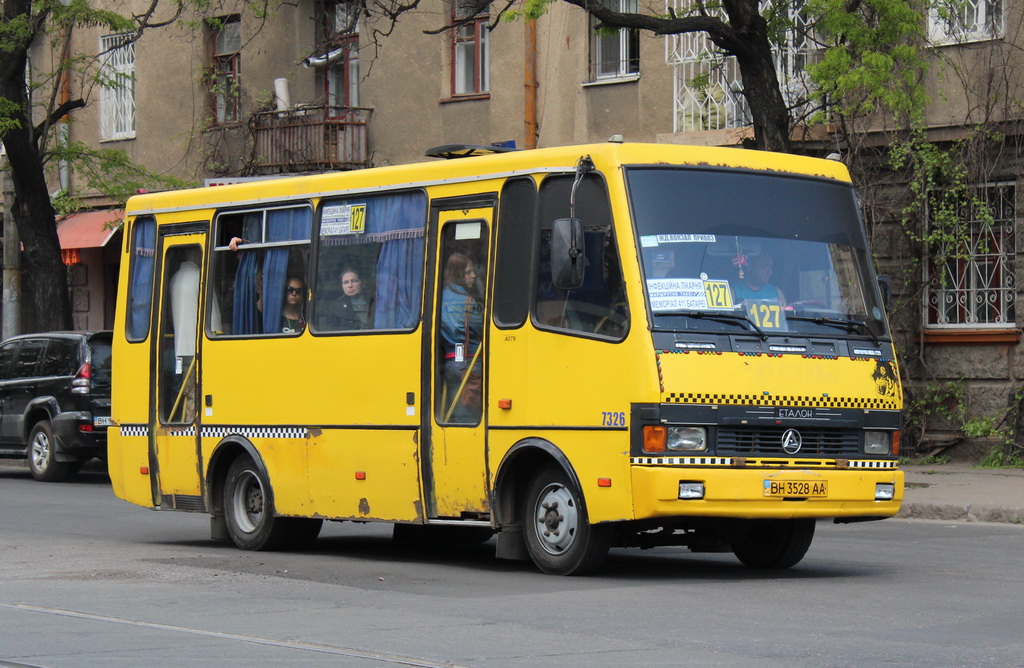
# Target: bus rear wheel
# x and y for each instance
(559, 538)
(249, 509)
(774, 544)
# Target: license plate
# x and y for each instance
(796, 488)
(101, 421)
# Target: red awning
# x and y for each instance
(90, 229)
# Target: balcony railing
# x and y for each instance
(311, 138)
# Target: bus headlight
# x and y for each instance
(877, 443)
(885, 491)
(687, 438)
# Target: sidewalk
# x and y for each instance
(963, 493)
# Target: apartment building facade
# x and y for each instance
(314, 86)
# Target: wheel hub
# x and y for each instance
(557, 519)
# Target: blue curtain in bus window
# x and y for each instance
(398, 222)
(282, 225)
(141, 283)
(245, 312)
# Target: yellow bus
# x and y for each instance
(575, 348)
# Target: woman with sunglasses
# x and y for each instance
(292, 309)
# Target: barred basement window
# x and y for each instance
(970, 279)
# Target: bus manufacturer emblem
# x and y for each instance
(791, 441)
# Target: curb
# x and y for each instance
(965, 513)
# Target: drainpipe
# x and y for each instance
(12, 261)
(531, 85)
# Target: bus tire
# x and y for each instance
(42, 460)
(249, 509)
(774, 544)
(559, 538)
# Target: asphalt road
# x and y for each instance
(89, 580)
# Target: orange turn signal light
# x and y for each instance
(895, 443)
(360, 475)
(655, 437)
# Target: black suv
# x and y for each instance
(55, 400)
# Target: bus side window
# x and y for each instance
(250, 285)
(598, 306)
(140, 281)
(512, 268)
(369, 272)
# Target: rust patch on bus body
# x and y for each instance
(364, 506)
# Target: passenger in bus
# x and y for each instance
(462, 325)
(292, 321)
(354, 308)
(755, 283)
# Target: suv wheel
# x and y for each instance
(42, 461)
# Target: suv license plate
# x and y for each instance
(796, 488)
(101, 421)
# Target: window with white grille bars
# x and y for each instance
(117, 87)
(226, 90)
(707, 85)
(614, 53)
(470, 50)
(970, 278)
(959, 21)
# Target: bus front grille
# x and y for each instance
(749, 441)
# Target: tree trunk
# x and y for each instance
(45, 280)
(753, 52)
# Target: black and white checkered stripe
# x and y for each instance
(255, 432)
(683, 461)
(134, 430)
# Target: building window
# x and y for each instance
(970, 277)
(962, 21)
(117, 87)
(615, 52)
(227, 56)
(707, 86)
(470, 49)
(337, 53)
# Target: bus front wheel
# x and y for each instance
(774, 544)
(249, 511)
(558, 536)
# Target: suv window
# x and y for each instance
(6, 356)
(100, 348)
(61, 358)
(28, 356)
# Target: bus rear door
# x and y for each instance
(174, 407)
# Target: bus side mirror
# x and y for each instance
(567, 257)
(885, 287)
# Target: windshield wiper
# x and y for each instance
(841, 323)
(728, 318)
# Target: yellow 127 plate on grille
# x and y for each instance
(796, 488)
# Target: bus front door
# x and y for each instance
(174, 410)
(457, 469)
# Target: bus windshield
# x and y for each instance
(724, 250)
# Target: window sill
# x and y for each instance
(464, 98)
(625, 78)
(108, 140)
(970, 337)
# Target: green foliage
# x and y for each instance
(998, 458)
(873, 59)
(529, 9)
(947, 402)
(110, 172)
(942, 200)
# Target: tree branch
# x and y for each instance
(58, 113)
